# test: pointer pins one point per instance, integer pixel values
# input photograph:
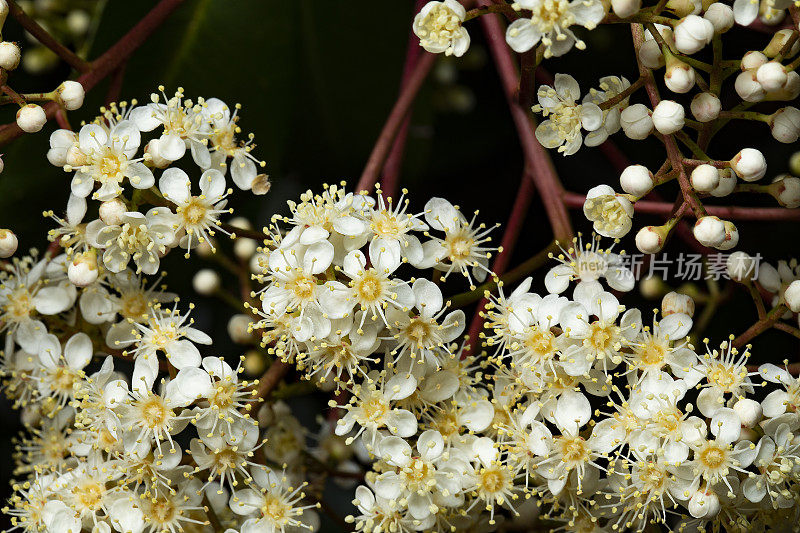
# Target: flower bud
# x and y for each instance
(238, 327)
(679, 77)
(244, 248)
(705, 107)
(749, 412)
(682, 8)
(720, 16)
(153, 155)
(705, 178)
(748, 88)
(650, 239)
(70, 94)
(626, 8)
(111, 211)
(9, 55)
(8, 243)
(794, 163)
(3, 12)
(785, 125)
(206, 248)
(676, 302)
(31, 118)
(749, 164)
(636, 121)
(709, 231)
(704, 504)
(740, 266)
(792, 296)
(75, 157)
(779, 40)
(206, 282)
(652, 287)
(771, 76)
(727, 183)
(692, 34)
(731, 236)
(650, 54)
(790, 90)
(82, 270)
(786, 190)
(752, 60)
(636, 180)
(78, 22)
(668, 117)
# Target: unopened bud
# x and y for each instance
(650, 239)
(748, 88)
(705, 107)
(790, 90)
(779, 40)
(636, 121)
(749, 412)
(731, 236)
(705, 178)
(82, 270)
(704, 504)
(70, 94)
(709, 231)
(206, 282)
(626, 8)
(244, 248)
(692, 34)
(153, 155)
(749, 164)
(752, 60)
(720, 16)
(785, 125)
(792, 296)
(238, 327)
(636, 180)
(676, 302)
(668, 117)
(771, 76)
(31, 118)
(740, 266)
(9, 55)
(650, 54)
(8, 243)
(678, 77)
(112, 211)
(681, 8)
(786, 190)
(652, 287)
(727, 183)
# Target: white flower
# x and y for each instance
(564, 115)
(550, 21)
(587, 264)
(275, 501)
(370, 407)
(106, 156)
(391, 227)
(143, 238)
(726, 373)
(463, 246)
(610, 86)
(292, 276)
(439, 28)
(746, 11)
(228, 402)
(60, 372)
(198, 216)
(611, 213)
(224, 145)
(184, 124)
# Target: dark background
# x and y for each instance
(317, 80)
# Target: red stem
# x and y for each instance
(115, 86)
(110, 60)
(393, 123)
(536, 157)
(394, 161)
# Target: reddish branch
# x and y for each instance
(394, 161)
(536, 157)
(110, 60)
(270, 379)
(394, 122)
